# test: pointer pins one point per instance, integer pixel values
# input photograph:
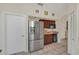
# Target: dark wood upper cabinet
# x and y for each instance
(48, 23)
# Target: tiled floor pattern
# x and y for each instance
(53, 49)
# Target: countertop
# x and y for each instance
(49, 31)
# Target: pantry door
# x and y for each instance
(15, 33)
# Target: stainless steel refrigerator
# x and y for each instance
(36, 36)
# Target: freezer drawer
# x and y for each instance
(36, 45)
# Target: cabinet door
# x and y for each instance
(45, 24)
(48, 39)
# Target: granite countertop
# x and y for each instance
(49, 31)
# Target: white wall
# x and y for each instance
(61, 28)
(30, 9)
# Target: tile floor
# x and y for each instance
(51, 49)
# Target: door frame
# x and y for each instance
(70, 51)
(3, 30)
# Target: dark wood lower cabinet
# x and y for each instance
(48, 39)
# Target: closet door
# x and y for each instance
(15, 33)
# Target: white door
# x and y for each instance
(15, 33)
(72, 33)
